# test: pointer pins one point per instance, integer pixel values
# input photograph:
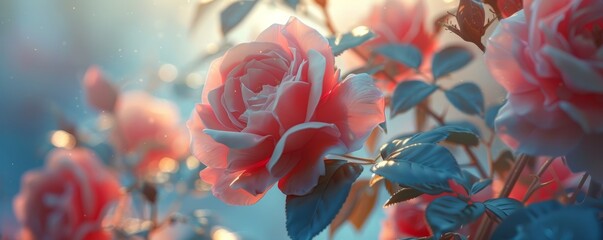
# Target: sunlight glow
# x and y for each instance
(168, 165)
(168, 73)
(223, 234)
(62, 139)
(192, 162)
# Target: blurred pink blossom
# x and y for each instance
(273, 108)
(67, 199)
(100, 94)
(150, 126)
(401, 22)
(548, 57)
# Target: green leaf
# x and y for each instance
(403, 195)
(352, 39)
(503, 207)
(480, 185)
(408, 94)
(449, 60)
(454, 134)
(406, 54)
(451, 133)
(232, 15)
(467, 98)
(309, 214)
(425, 167)
(448, 214)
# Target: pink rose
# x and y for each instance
(405, 220)
(271, 110)
(548, 57)
(149, 125)
(100, 94)
(401, 22)
(67, 199)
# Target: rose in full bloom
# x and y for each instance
(273, 108)
(67, 199)
(150, 126)
(549, 58)
(401, 22)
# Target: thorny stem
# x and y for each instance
(483, 231)
(579, 188)
(358, 158)
(534, 185)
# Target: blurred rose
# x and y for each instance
(100, 94)
(402, 22)
(270, 111)
(67, 199)
(405, 220)
(150, 126)
(548, 57)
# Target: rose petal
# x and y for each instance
(304, 39)
(254, 180)
(220, 180)
(304, 176)
(586, 157)
(356, 106)
(207, 115)
(241, 159)
(245, 52)
(533, 139)
(204, 148)
(262, 123)
(576, 73)
(296, 138)
(291, 100)
(316, 74)
(590, 118)
(235, 140)
(501, 59)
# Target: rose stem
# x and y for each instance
(470, 153)
(358, 158)
(580, 185)
(534, 185)
(483, 231)
(154, 220)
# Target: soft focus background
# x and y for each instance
(46, 46)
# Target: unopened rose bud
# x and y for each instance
(471, 17)
(100, 93)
